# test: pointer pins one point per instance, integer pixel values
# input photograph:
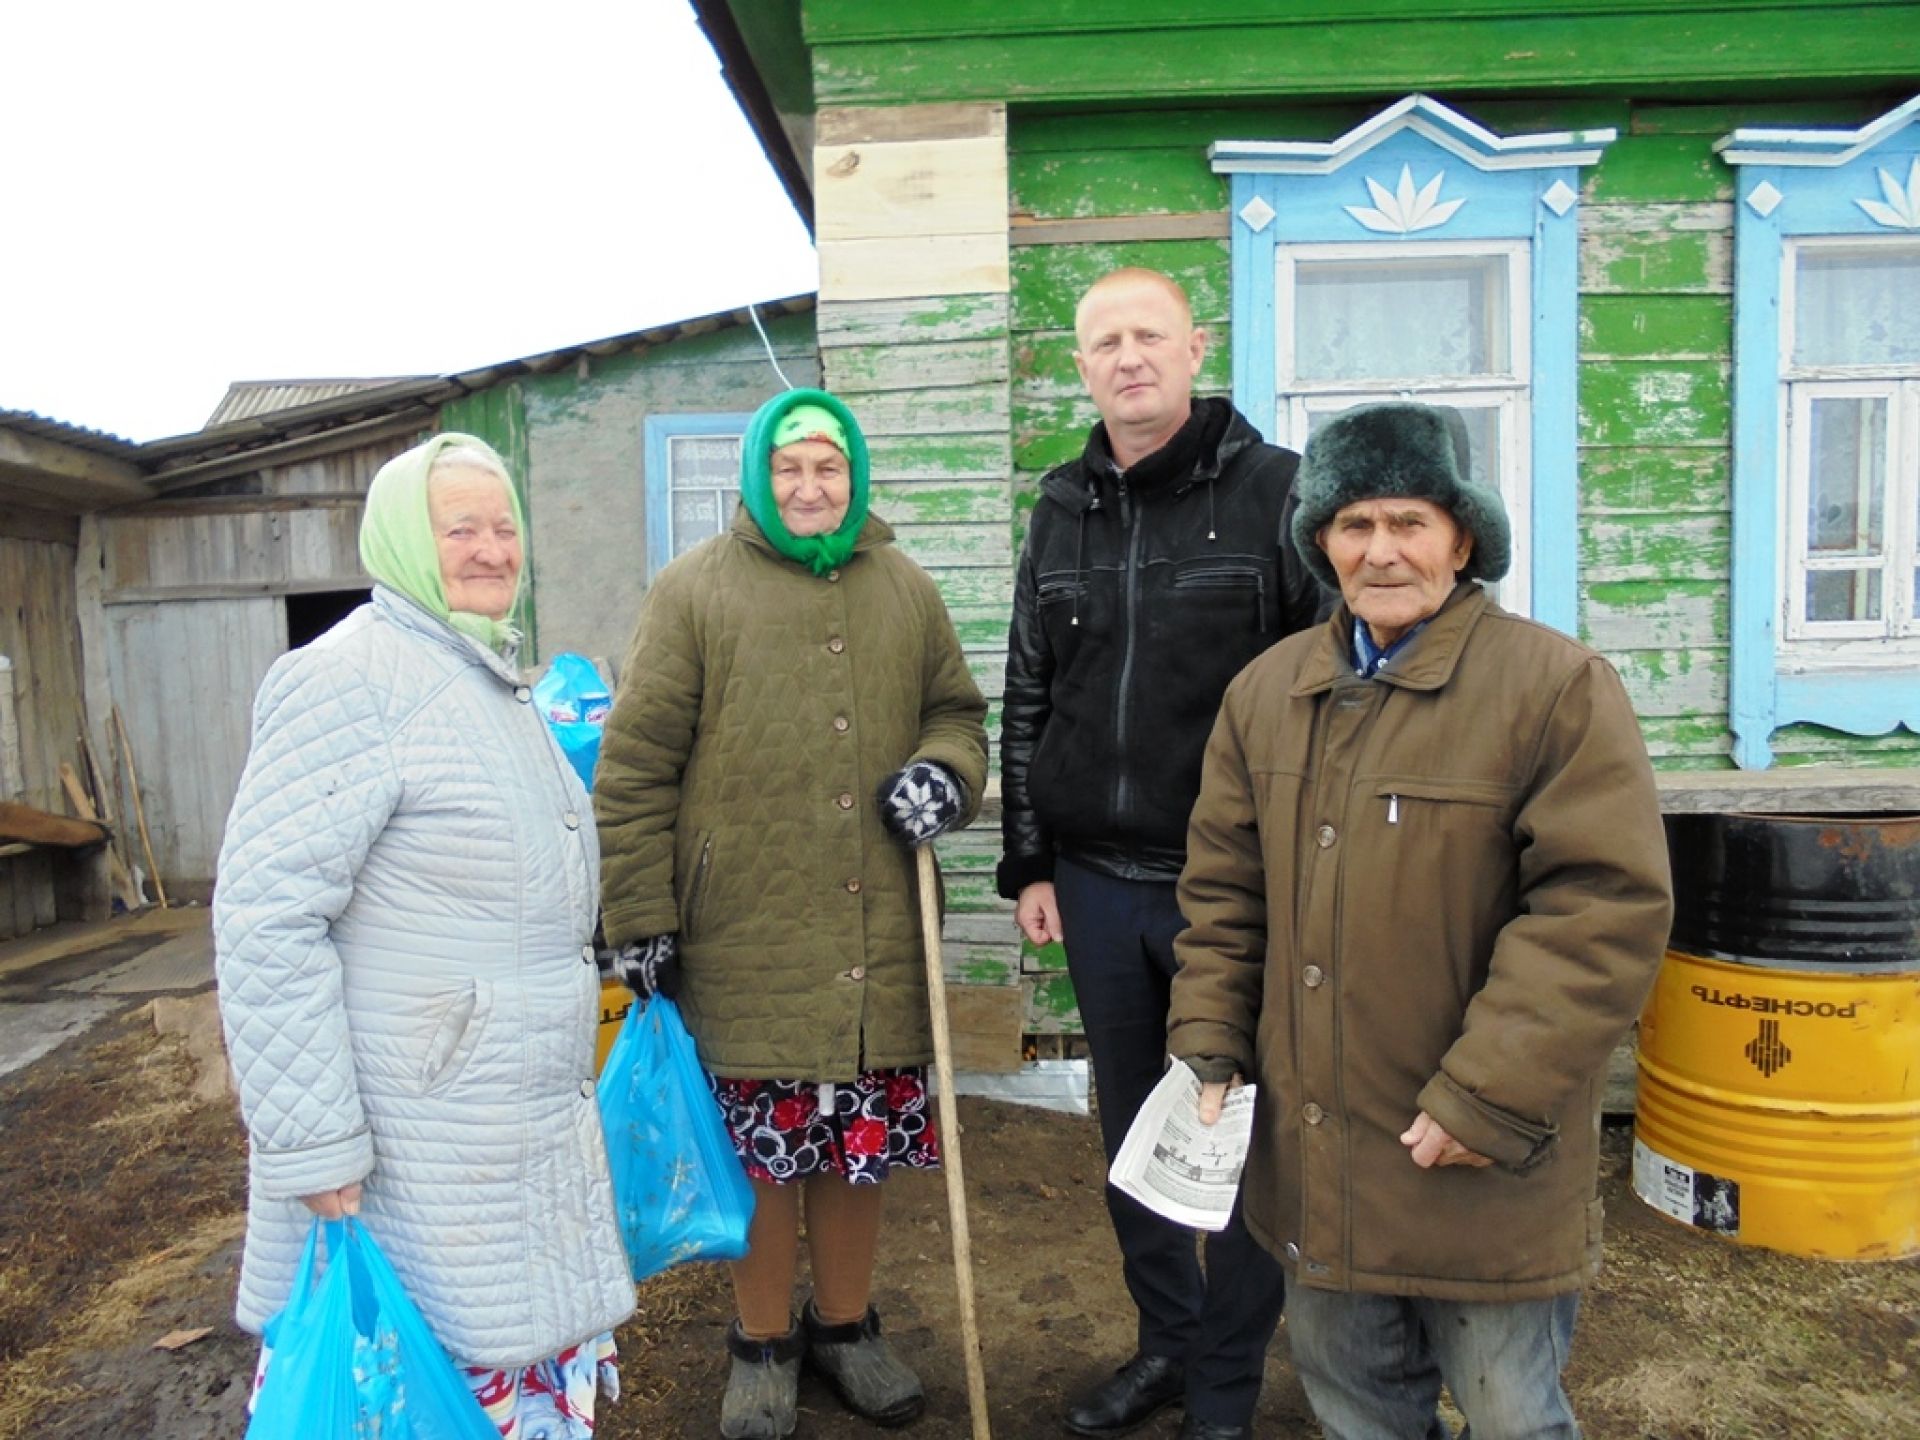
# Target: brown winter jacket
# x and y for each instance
(759, 710)
(1444, 890)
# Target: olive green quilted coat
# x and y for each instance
(759, 710)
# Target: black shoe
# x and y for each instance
(1193, 1428)
(1139, 1389)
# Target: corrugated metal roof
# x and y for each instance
(78, 436)
(246, 398)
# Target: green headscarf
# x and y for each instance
(819, 553)
(397, 545)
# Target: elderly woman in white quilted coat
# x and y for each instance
(403, 923)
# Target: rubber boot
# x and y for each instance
(869, 1378)
(763, 1387)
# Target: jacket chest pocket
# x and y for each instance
(1239, 583)
(1450, 806)
(1064, 600)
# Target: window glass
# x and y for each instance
(1856, 305)
(704, 481)
(1847, 479)
(1483, 431)
(1843, 595)
(1401, 318)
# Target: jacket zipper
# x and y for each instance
(1393, 809)
(1122, 791)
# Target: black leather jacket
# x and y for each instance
(1138, 597)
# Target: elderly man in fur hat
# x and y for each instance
(1427, 890)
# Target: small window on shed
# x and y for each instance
(692, 481)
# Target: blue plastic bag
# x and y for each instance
(574, 700)
(678, 1186)
(352, 1359)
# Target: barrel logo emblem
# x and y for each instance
(1766, 1050)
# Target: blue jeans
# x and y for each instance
(1372, 1364)
(1217, 1321)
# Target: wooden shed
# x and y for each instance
(160, 581)
(1665, 256)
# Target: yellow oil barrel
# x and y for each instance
(1779, 1098)
(615, 1001)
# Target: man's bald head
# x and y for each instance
(1126, 278)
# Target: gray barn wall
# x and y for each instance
(587, 465)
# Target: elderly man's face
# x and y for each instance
(812, 487)
(1138, 353)
(479, 544)
(1396, 560)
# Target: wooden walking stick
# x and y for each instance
(950, 1147)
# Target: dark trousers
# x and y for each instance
(1119, 943)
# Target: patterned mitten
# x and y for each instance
(649, 967)
(921, 801)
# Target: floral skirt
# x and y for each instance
(551, 1400)
(787, 1130)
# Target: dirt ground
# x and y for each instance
(120, 1219)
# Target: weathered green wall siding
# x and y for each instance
(583, 453)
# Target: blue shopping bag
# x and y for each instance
(680, 1190)
(574, 700)
(352, 1359)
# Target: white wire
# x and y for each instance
(768, 346)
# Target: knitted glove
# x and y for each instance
(920, 802)
(1213, 1069)
(649, 967)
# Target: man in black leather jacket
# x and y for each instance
(1155, 569)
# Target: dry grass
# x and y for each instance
(129, 1189)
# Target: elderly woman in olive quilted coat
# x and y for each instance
(795, 715)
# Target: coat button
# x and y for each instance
(1312, 1113)
(586, 1088)
(1325, 836)
(853, 886)
(571, 820)
(836, 645)
(845, 802)
(1293, 1251)
(586, 953)
(1313, 975)
(522, 694)
(833, 576)
(841, 723)
(858, 972)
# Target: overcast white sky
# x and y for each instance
(212, 191)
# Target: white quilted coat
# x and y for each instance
(406, 896)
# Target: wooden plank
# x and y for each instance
(1675, 682)
(1656, 402)
(958, 410)
(922, 503)
(1655, 547)
(899, 366)
(1803, 745)
(1822, 790)
(1638, 478)
(31, 825)
(905, 266)
(909, 189)
(1119, 229)
(40, 634)
(1665, 614)
(1656, 327)
(986, 1022)
(1642, 169)
(23, 522)
(231, 590)
(949, 546)
(917, 319)
(941, 457)
(1100, 180)
(1051, 1007)
(1656, 249)
(858, 125)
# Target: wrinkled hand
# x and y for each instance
(1431, 1145)
(334, 1204)
(920, 802)
(1037, 913)
(649, 967)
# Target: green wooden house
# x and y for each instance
(1664, 253)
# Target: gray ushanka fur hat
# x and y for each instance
(1397, 450)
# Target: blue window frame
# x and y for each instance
(1421, 212)
(1826, 454)
(693, 479)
